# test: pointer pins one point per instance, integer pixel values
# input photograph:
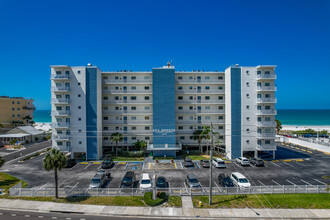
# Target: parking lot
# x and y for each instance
(302, 168)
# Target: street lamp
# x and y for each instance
(211, 155)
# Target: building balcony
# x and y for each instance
(212, 101)
(127, 102)
(130, 133)
(196, 112)
(29, 108)
(266, 100)
(61, 101)
(266, 88)
(128, 112)
(61, 137)
(60, 89)
(60, 77)
(199, 122)
(118, 92)
(266, 135)
(266, 124)
(267, 112)
(128, 122)
(63, 113)
(266, 147)
(211, 82)
(211, 91)
(61, 125)
(266, 76)
(116, 82)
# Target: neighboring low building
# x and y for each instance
(23, 134)
(13, 110)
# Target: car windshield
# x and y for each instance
(96, 180)
(145, 181)
(106, 161)
(221, 162)
(127, 180)
(243, 180)
(160, 180)
(193, 181)
(188, 160)
(245, 160)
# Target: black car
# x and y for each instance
(257, 162)
(188, 162)
(205, 163)
(161, 182)
(225, 181)
(107, 163)
(70, 162)
(128, 180)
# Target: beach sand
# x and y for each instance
(304, 127)
(43, 126)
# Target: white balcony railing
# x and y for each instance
(202, 81)
(266, 100)
(266, 76)
(61, 137)
(212, 101)
(129, 91)
(266, 147)
(215, 111)
(266, 124)
(127, 101)
(128, 122)
(60, 89)
(211, 91)
(123, 112)
(60, 77)
(266, 135)
(267, 112)
(266, 88)
(60, 101)
(147, 81)
(196, 122)
(61, 113)
(61, 125)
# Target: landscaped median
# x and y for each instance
(7, 181)
(285, 201)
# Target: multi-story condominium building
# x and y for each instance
(163, 107)
(13, 110)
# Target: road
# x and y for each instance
(29, 149)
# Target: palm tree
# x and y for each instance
(206, 133)
(2, 161)
(140, 144)
(278, 126)
(115, 138)
(198, 136)
(27, 119)
(54, 160)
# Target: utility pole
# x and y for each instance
(211, 155)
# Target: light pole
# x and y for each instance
(211, 155)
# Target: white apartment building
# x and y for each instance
(163, 107)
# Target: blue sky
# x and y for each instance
(140, 35)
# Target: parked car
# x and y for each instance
(107, 163)
(243, 161)
(225, 181)
(1, 144)
(97, 181)
(161, 182)
(192, 181)
(219, 163)
(145, 182)
(257, 162)
(240, 180)
(188, 162)
(205, 163)
(70, 162)
(128, 180)
(307, 135)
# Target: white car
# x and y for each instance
(219, 163)
(145, 182)
(240, 180)
(243, 161)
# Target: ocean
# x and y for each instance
(286, 116)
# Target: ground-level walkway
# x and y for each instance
(184, 212)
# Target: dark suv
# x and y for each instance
(192, 181)
(225, 181)
(257, 162)
(128, 180)
(188, 162)
(107, 163)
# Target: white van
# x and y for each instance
(240, 180)
(219, 163)
(145, 182)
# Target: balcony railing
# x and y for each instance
(61, 125)
(266, 147)
(60, 89)
(266, 88)
(60, 77)
(266, 76)
(147, 81)
(60, 101)
(128, 122)
(61, 137)
(127, 101)
(266, 135)
(266, 124)
(123, 112)
(267, 112)
(29, 108)
(266, 100)
(196, 122)
(202, 81)
(138, 91)
(215, 111)
(61, 113)
(212, 101)
(211, 91)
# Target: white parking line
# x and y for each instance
(217, 186)
(185, 186)
(305, 182)
(275, 164)
(291, 182)
(261, 183)
(320, 182)
(181, 165)
(87, 165)
(288, 164)
(301, 164)
(276, 182)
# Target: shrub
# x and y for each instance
(160, 198)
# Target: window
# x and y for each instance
(179, 87)
(267, 95)
(247, 107)
(179, 77)
(146, 118)
(133, 87)
(248, 130)
(116, 77)
(133, 138)
(259, 107)
(133, 128)
(133, 77)
(146, 107)
(116, 88)
(180, 118)
(105, 138)
(133, 108)
(220, 97)
(146, 87)
(191, 77)
(248, 118)
(220, 127)
(13, 109)
(133, 118)
(146, 128)
(207, 78)
(146, 77)
(19, 103)
(258, 72)
(105, 118)
(190, 88)
(191, 107)
(247, 84)
(58, 72)
(267, 72)
(220, 107)
(207, 88)
(105, 128)
(79, 119)
(180, 108)
(60, 143)
(105, 97)
(191, 127)
(207, 117)
(80, 96)
(220, 117)
(133, 97)
(207, 97)
(181, 137)
(180, 128)
(220, 88)
(267, 118)
(207, 107)
(18, 115)
(180, 97)
(267, 84)
(191, 97)
(267, 107)
(191, 118)
(247, 72)
(13, 116)
(146, 138)
(117, 108)
(220, 77)
(267, 141)
(247, 141)
(146, 98)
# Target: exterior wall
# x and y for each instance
(15, 109)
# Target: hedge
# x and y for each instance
(160, 198)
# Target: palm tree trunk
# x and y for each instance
(127, 148)
(116, 149)
(200, 147)
(56, 186)
(112, 148)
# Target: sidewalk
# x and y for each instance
(22, 205)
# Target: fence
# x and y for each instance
(67, 192)
(15, 189)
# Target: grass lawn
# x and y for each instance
(199, 157)
(287, 201)
(128, 159)
(174, 201)
(7, 181)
